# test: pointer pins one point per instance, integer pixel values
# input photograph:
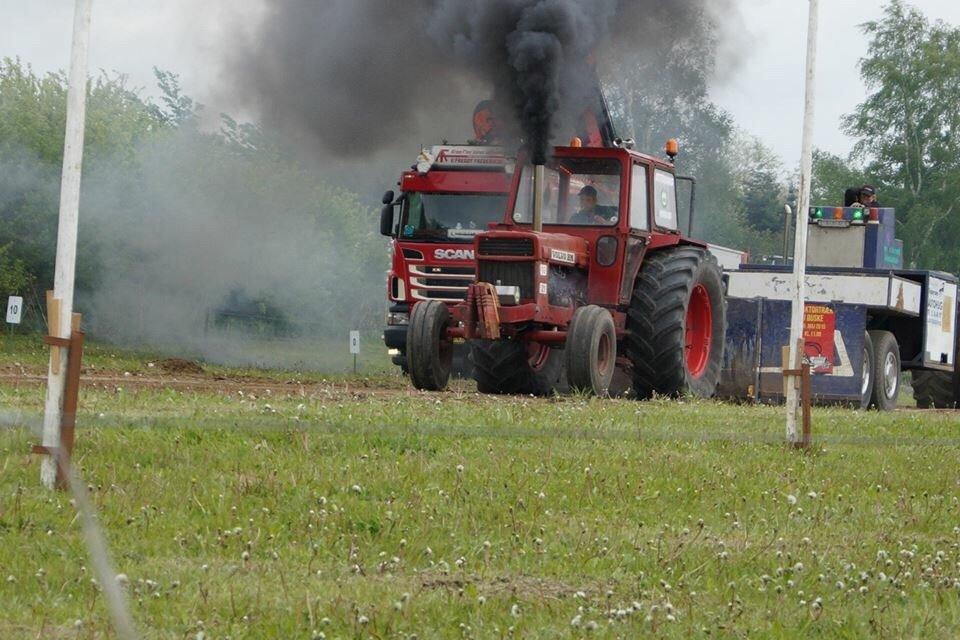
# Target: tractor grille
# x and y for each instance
(506, 247)
(449, 284)
(519, 274)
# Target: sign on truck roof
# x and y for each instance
(461, 157)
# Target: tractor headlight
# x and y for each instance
(509, 295)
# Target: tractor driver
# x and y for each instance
(590, 212)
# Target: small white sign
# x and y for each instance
(563, 256)
(14, 309)
(355, 342)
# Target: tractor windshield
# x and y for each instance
(450, 217)
(576, 191)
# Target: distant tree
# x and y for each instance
(832, 176)
(909, 129)
(654, 98)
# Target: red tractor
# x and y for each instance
(589, 271)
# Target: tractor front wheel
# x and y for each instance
(429, 352)
(591, 350)
(677, 324)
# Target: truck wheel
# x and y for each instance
(516, 367)
(677, 324)
(886, 370)
(933, 389)
(867, 377)
(591, 350)
(429, 353)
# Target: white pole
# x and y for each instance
(800, 242)
(67, 229)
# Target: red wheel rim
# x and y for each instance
(537, 355)
(699, 332)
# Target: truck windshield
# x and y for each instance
(450, 217)
(576, 191)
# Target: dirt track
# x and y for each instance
(209, 383)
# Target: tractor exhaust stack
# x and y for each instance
(538, 198)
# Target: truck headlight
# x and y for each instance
(394, 319)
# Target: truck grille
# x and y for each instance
(519, 274)
(447, 284)
(506, 247)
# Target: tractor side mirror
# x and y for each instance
(388, 197)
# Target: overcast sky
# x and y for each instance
(764, 93)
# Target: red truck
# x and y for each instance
(453, 193)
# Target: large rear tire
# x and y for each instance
(934, 389)
(677, 324)
(886, 370)
(429, 353)
(516, 367)
(591, 350)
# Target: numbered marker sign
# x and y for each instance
(354, 342)
(14, 309)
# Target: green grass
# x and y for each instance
(307, 360)
(349, 511)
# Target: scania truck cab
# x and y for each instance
(453, 193)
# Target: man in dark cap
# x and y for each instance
(590, 212)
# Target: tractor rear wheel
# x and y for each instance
(934, 389)
(677, 324)
(429, 353)
(516, 367)
(591, 350)
(886, 370)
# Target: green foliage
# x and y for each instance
(832, 176)
(909, 129)
(173, 218)
(13, 273)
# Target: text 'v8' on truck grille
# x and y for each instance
(513, 247)
(508, 274)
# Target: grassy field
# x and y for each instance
(357, 509)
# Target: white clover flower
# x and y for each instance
(791, 499)
(459, 468)
(515, 610)
(576, 621)
(356, 488)
(362, 619)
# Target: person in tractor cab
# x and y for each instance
(590, 211)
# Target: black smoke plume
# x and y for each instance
(360, 76)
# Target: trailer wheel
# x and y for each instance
(867, 373)
(516, 367)
(933, 389)
(591, 350)
(429, 353)
(886, 370)
(677, 324)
